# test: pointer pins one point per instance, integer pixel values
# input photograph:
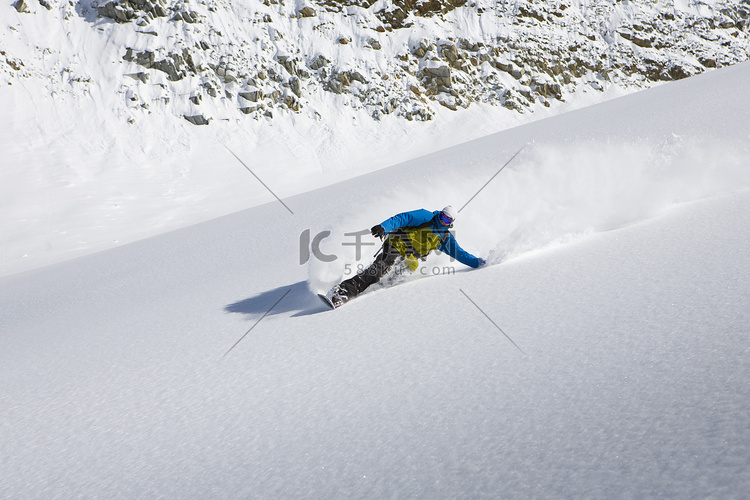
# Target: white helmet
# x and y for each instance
(450, 212)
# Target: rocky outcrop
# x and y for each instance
(176, 65)
(123, 11)
(197, 119)
(21, 6)
(536, 53)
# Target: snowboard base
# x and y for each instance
(326, 301)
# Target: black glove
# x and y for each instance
(378, 231)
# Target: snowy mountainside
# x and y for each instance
(625, 282)
(97, 150)
(592, 170)
(213, 60)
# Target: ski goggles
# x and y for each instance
(444, 219)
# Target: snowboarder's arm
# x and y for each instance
(413, 218)
(452, 248)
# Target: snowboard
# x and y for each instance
(326, 301)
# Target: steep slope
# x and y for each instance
(120, 378)
(100, 100)
(212, 61)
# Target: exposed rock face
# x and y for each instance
(307, 12)
(124, 11)
(177, 66)
(527, 54)
(20, 6)
(546, 53)
(197, 119)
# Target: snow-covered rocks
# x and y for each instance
(406, 57)
(115, 90)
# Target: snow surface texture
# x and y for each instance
(120, 379)
(96, 152)
(592, 170)
(76, 179)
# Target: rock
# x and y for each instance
(319, 62)
(294, 85)
(421, 50)
(450, 68)
(210, 90)
(390, 106)
(449, 52)
(442, 74)
(172, 66)
(140, 76)
(120, 13)
(450, 105)
(335, 86)
(197, 119)
(188, 17)
(640, 39)
(708, 62)
(291, 103)
(503, 65)
(21, 6)
(145, 58)
(511, 101)
(123, 11)
(356, 76)
(526, 92)
(307, 12)
(469, 45)
(725, 22)
(275, 96)
(678, 72)
(252, 95)
(289, 64)
(16, 64)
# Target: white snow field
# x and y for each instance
(93, 159)
(619, 238)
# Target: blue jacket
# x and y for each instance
(419, 217)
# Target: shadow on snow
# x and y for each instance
(297, 299)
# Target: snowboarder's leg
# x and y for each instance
(359, 283)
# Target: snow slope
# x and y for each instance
(620, 237)
(96, 150)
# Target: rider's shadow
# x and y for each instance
(295, 299)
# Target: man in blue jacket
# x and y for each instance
(410, 236)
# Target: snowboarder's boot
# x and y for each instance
(337, 296)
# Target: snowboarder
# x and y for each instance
(409, 236)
